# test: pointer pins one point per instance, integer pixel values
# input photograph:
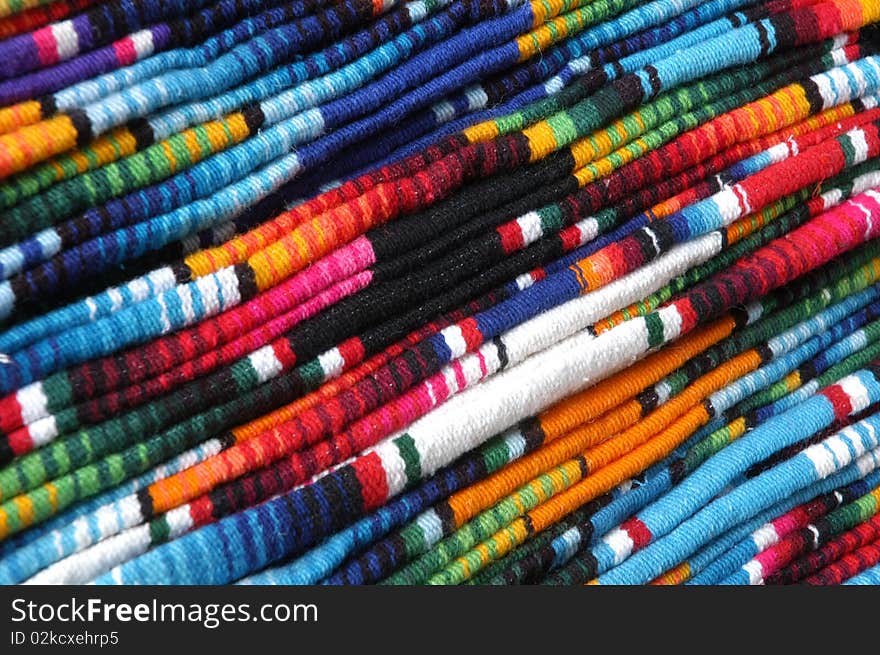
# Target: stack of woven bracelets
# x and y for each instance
(440, 292)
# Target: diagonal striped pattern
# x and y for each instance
(440, 292)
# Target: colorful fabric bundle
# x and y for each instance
(440, 292)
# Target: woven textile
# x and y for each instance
(440, 292)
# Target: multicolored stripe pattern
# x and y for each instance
(440, 292)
